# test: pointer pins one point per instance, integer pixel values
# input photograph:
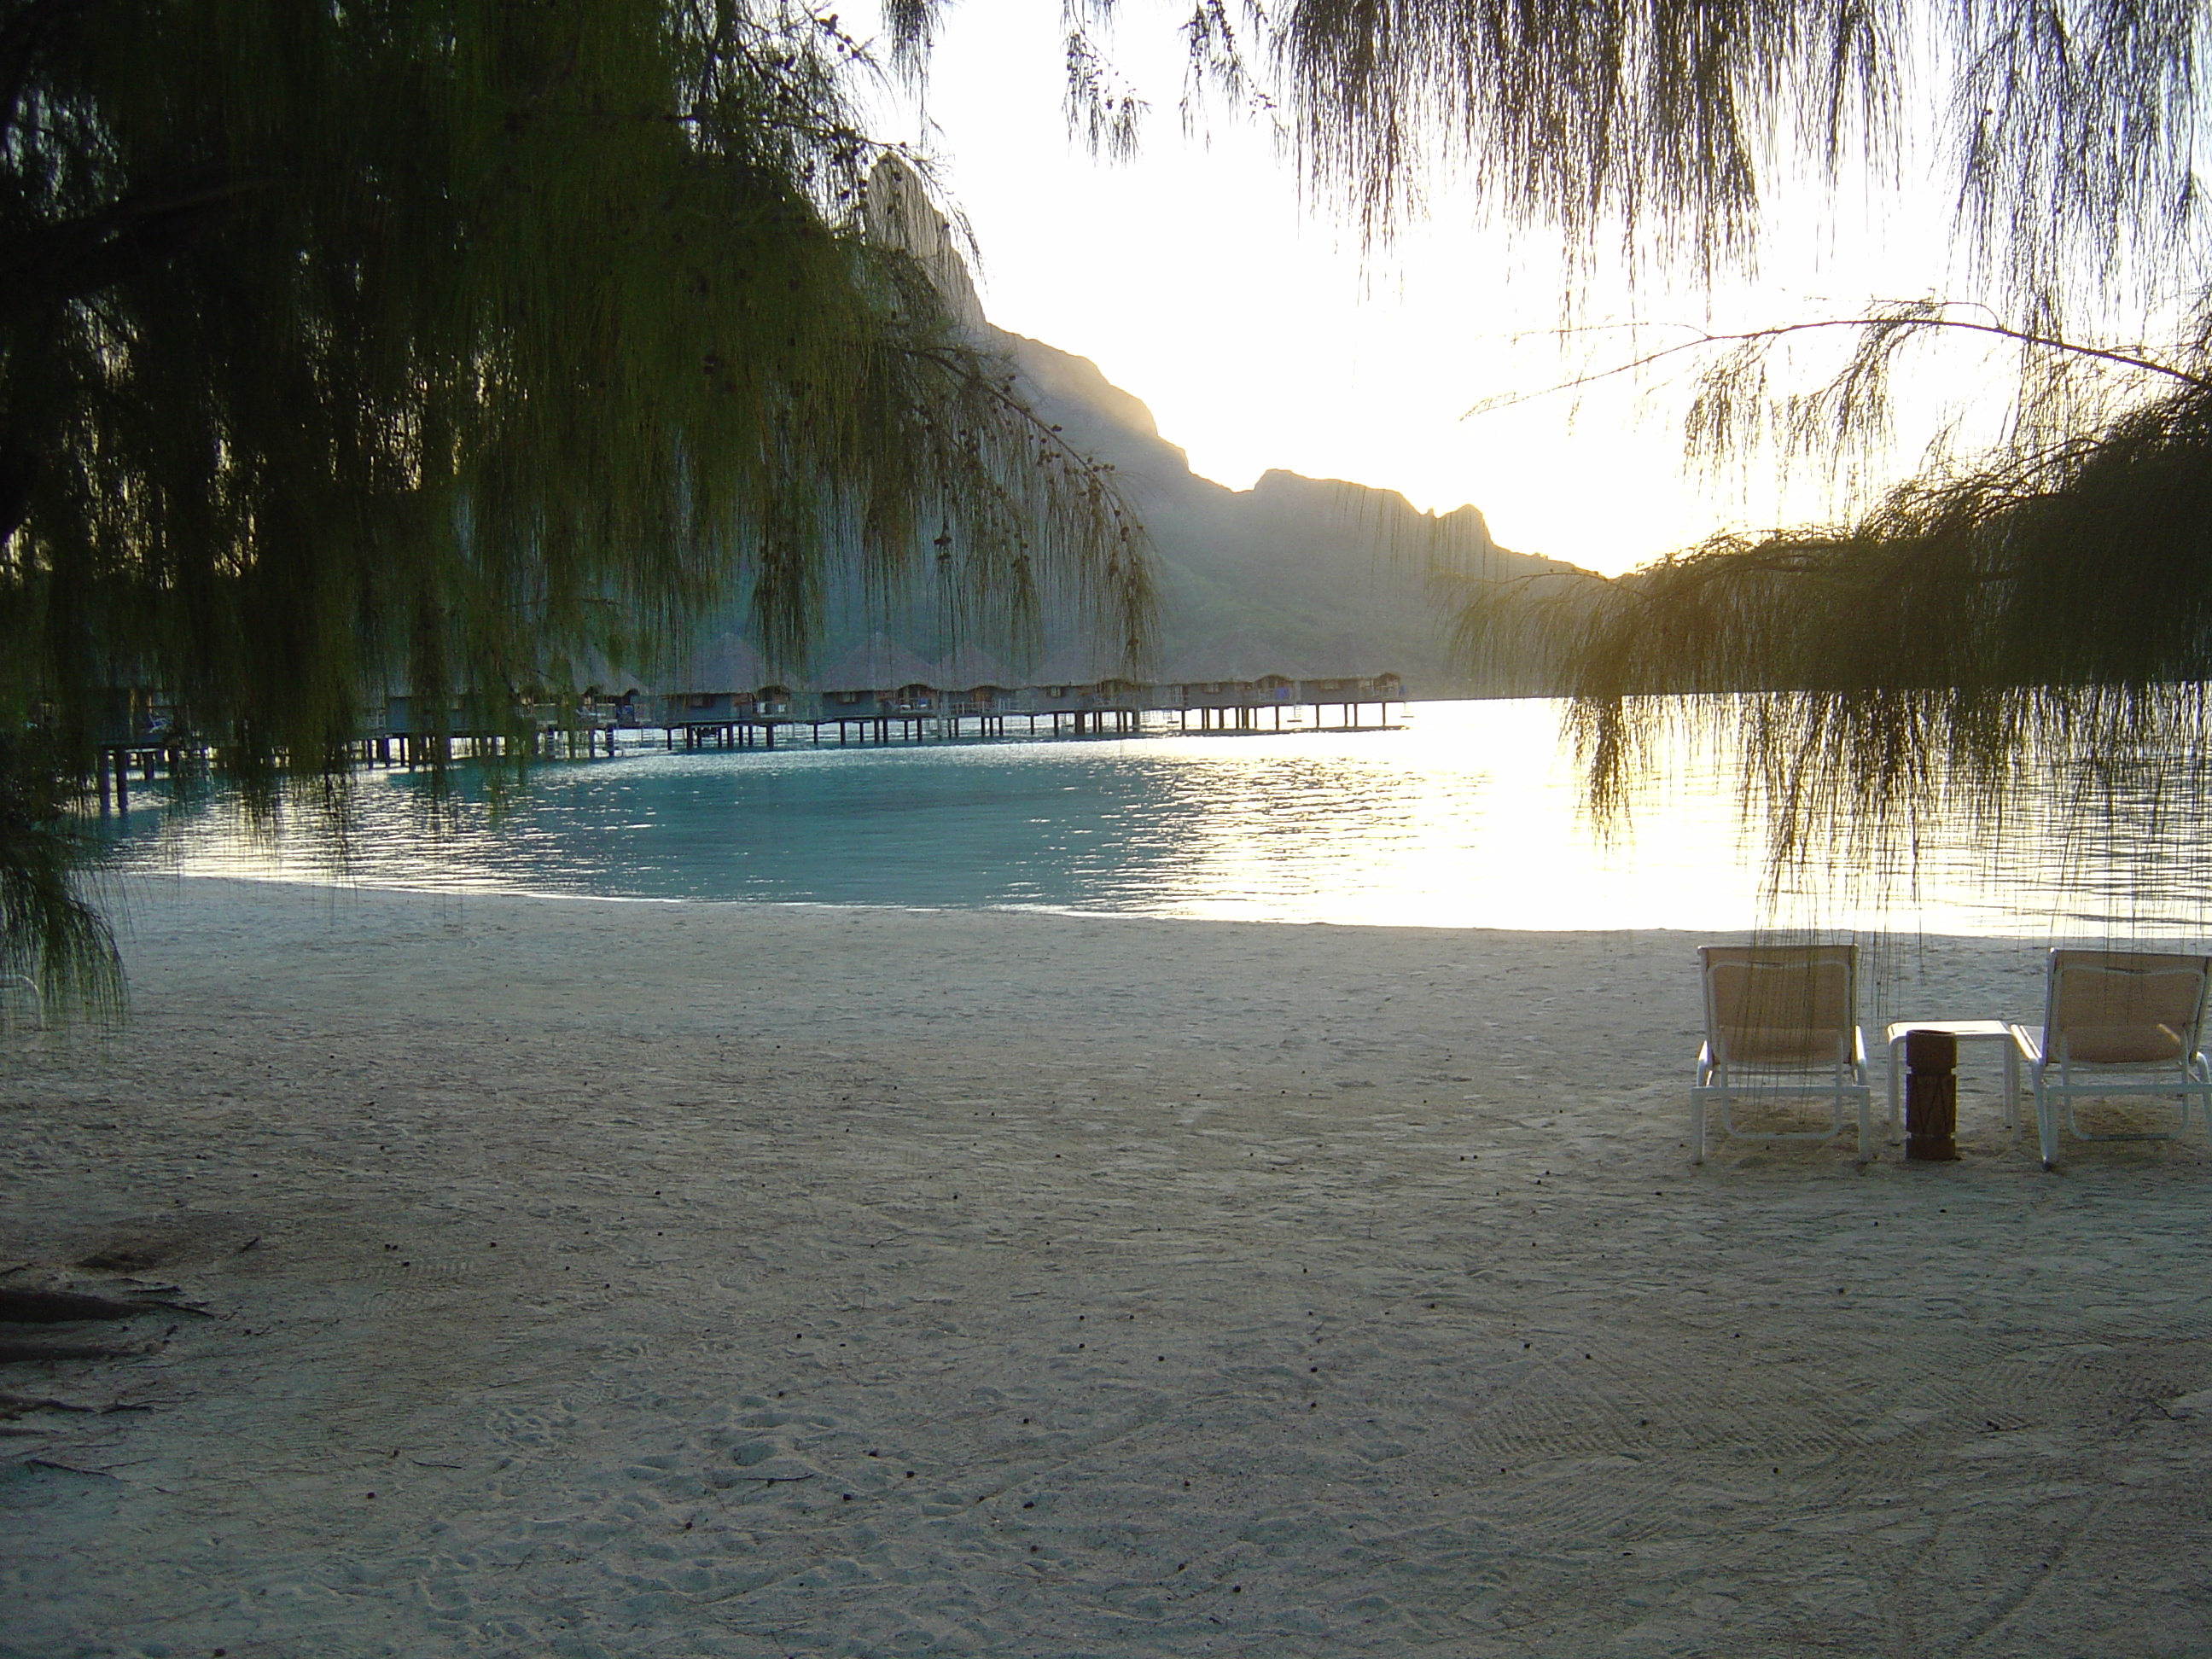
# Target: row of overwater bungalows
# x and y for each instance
(729, 683)
(727, 691)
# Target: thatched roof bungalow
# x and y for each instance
(717, 684)
(878, 677)
(1354, 688)
(1075, 681)
(976, 682)
(1240, 674)
(407, 714)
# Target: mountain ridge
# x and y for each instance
(1335, 575)
(1313, 577)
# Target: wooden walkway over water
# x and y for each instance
(968, 726)
(915, 715)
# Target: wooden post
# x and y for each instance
(1931, 1097)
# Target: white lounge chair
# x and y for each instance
(1781, 1023)
(2116, 1023)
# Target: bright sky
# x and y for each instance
(1261, 335)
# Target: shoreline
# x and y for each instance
(1882, 938)
(1324, 1289)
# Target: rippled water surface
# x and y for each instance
(1467, 816)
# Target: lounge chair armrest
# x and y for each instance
(2029, 1040)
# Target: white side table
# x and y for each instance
(1966, 1030)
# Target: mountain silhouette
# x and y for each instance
(1328, 575)
(1305, 577)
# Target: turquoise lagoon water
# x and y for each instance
(1468, 816)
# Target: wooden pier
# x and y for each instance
(777, 716)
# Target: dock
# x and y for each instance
(603, 723)
(918, 712)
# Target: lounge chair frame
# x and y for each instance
(2161, 993)
(1818, 1053)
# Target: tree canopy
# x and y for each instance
(1676, 132)
(447, 346)
(451, 344)
(2027, 624)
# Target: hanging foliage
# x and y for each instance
(449, 345)
(2015, 638)
(2013, 647)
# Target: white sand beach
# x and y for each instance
(617, 1278)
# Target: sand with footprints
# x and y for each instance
(605, 1279)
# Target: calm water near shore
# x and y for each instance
(1469, 816)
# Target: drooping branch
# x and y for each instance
(72, 258)
(351, 348)
(2006, 644)
(1884, 322)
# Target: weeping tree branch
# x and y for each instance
(343, 348)
(1653, 135)
(1884, 322)
(50, 933)
(77, 257)
(1994, 646)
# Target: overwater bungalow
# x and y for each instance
(410, 715)
(130, 725)
(704, 687)
(876, 684)
(1353, 692)
(408, 727)
(1364, 688)
(724, 691)
(1230, 687)
(977, 686)
(1080, 693)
